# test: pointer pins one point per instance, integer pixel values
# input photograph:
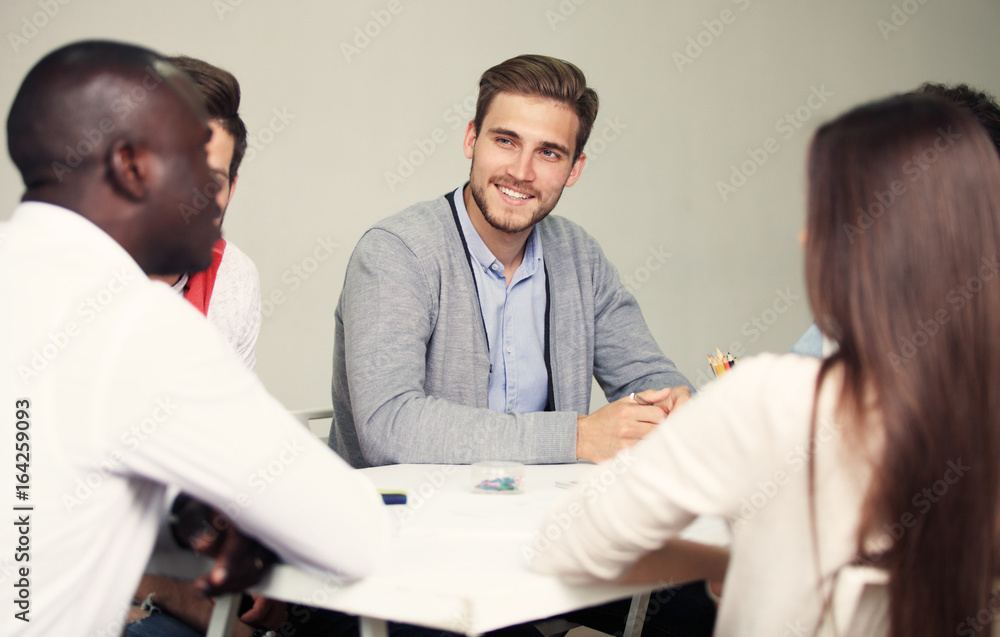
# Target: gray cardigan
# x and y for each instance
(411, 362)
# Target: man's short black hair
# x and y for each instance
(982, 104)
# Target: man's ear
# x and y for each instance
(469, 142)
(128, 169)
(574, 173)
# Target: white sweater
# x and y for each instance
(235, 306)
(740, 450)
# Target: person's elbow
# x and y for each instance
(382, 444)
(379, 452)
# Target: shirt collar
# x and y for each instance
(482, 254)
(74, 226)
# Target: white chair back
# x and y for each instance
(314, 419)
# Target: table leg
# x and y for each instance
(371, 627)
(223, 615)
(636, 615)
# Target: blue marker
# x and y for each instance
(393, 497)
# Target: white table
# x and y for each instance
(456, 561)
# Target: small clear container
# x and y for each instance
(496, 476)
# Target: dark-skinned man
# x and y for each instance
(119, 385)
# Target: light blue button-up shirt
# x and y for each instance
(514, 317)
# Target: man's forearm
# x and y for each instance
(430, 430)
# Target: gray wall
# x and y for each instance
(690, 92)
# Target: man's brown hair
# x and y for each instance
(541, 76)
(221, 91)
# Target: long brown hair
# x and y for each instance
(901, 266)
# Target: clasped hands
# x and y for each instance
(623, 423)
(240, 561)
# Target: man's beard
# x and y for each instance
(479, 196)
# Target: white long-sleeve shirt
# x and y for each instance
(127, 388)
(740, 450)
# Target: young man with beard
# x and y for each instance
(470, 327)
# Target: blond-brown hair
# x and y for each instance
(541, 76)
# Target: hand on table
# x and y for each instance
(618, 425)
(678, 396)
